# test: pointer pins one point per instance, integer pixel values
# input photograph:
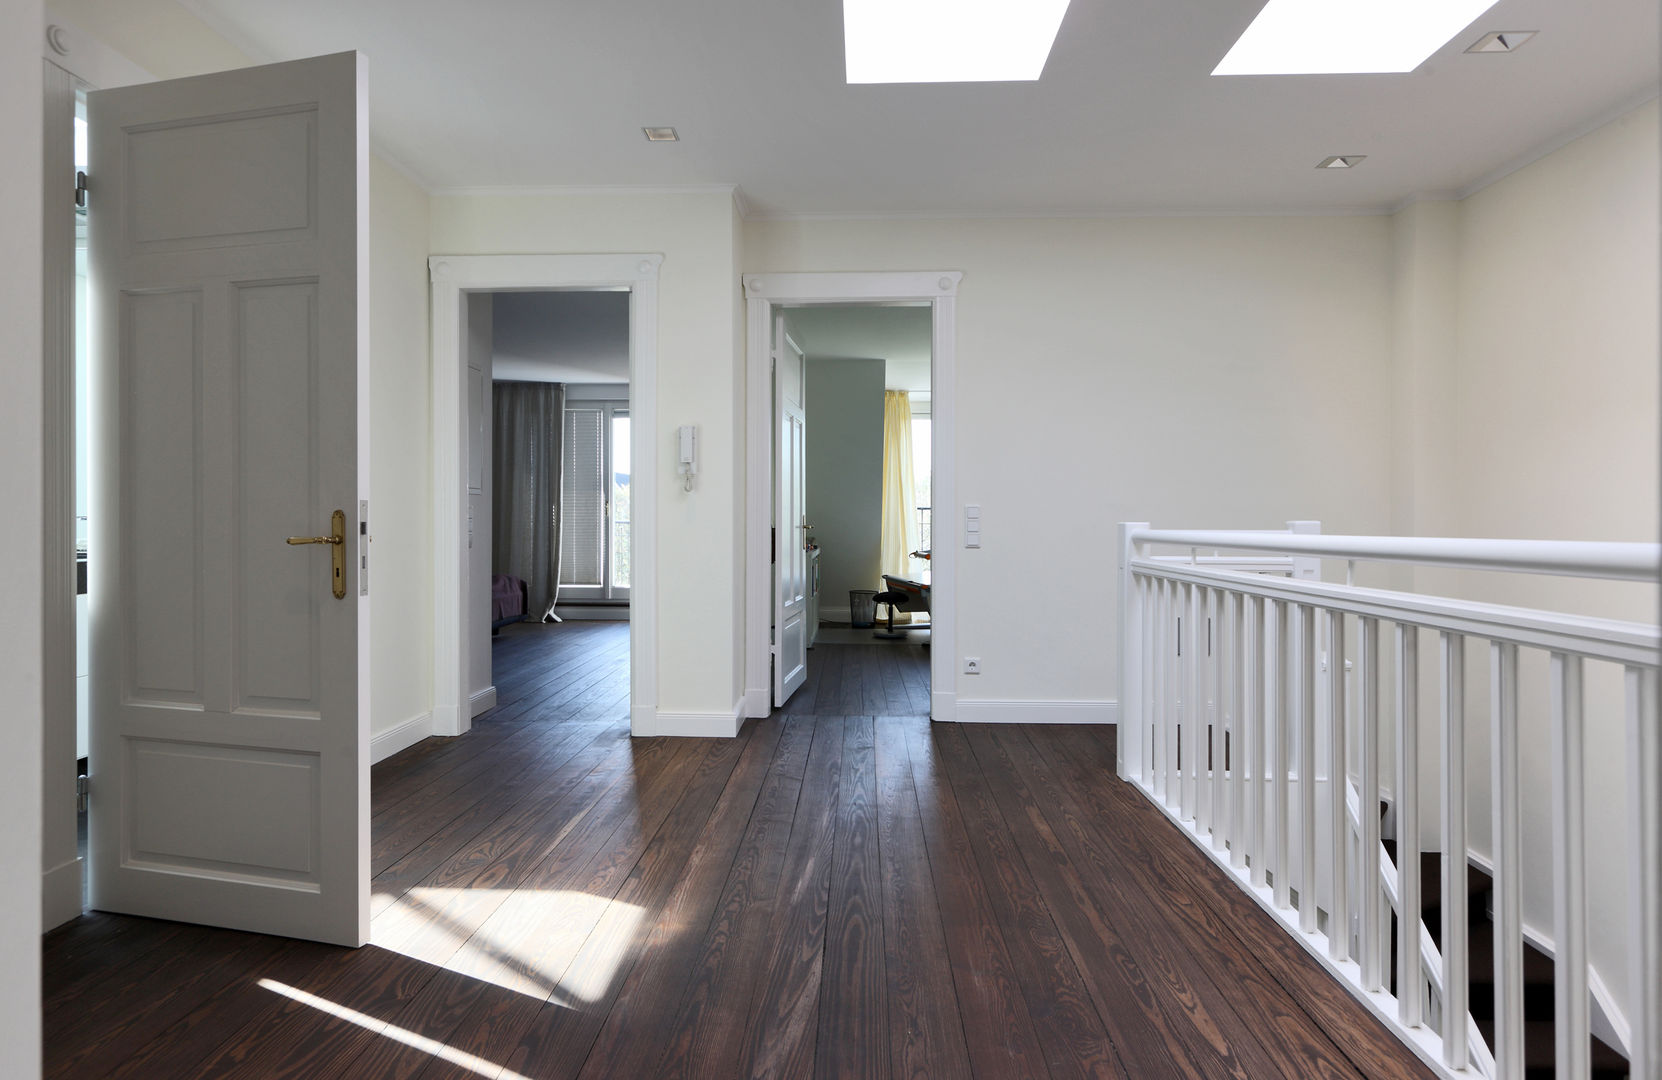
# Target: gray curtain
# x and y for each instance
(525, 508)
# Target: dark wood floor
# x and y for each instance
(845, 890)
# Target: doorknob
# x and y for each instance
(337, 544)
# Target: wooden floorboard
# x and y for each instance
(845, 890)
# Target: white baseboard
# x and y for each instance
(834, 614)
(482, 700)
(60, 894)
(1035, 712)
(943, 706)
(757, 703)
(400, 736)
(712, 725)
(593, 612)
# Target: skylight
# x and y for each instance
(1347, 37)
(932, 41)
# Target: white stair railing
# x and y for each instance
(1227, 702)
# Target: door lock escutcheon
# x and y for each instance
(337, 549)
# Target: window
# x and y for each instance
(594, 537)
(922, 475)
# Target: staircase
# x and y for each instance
(1607, 1062)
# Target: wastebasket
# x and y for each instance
(862, 607)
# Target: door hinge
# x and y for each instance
(81, 189)
(81, 794)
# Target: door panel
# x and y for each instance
(229, 744)
(790, 567)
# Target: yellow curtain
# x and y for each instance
(900, 522)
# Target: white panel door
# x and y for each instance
(229, 755)
(790, 523)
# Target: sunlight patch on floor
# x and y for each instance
(557, 945)
(460, 1058)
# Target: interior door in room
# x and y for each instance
(229, 744)
(790, 523)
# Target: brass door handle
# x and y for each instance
(337, 542)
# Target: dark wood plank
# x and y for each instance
(998, 1029)
(637, 1029)
(926, 1035)
(1076, 1042)
(853, 1037)
(1148, 1041)
(704, 1038)
(1192, 967)
(1367, 1043)
(782, 1021)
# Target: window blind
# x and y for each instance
(583, 502)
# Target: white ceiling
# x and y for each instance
(899, 336)
(1125, 119)
(569, 337)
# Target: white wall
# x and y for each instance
(697, 296)
(1194, 372)
(401, 516)
(1552, 385)
(21, 722)
(844, 421)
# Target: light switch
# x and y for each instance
(972, 526)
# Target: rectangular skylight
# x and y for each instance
(1347, 37)
(932, 41)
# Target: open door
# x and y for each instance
(229, 780)
(790, 522)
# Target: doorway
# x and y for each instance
(550, 478)
(772, 299)
(625, 426)
(866, 410)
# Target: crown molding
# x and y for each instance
(570, 190)
(1563, 139)
(1074, 213)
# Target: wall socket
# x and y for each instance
(972, 665)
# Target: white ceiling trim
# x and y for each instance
(1076, 213)
(1558, 142)
(522, 191)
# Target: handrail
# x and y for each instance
(1569, 558)
(1233, 657)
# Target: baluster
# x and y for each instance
(1409, 999)
(1239, 832)
(1278, 672)
(1307, 767)
(1252, 734)
(1338, 770)
(1455, 989)
(1569, 871)
(1644, 792)
(1167, 652)
(1194, 710)
(1215, 603)
(1369, 931)
(1200, 741)
(1508, 850)
(1151, 689)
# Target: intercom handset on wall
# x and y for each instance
(686, 460)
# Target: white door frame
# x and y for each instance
(73, 60)
(762, 291)
(452, 277)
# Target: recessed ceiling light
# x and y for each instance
(661, 134)
(1501, 41)
(1342, 161)
(1353, 37)
(929, 41)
